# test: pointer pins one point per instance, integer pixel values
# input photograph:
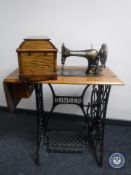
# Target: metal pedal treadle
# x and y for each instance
(66, 141)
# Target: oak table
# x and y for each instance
(94, 111)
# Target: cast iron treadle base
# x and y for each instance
(66, 141)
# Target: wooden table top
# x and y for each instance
(107, 77)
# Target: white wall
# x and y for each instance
(78, 23)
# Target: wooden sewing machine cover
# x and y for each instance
(37, 59)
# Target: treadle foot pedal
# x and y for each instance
(66, 141)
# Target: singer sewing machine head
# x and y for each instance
(96, 59)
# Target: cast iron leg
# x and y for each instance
(40, 119)
(97, 112)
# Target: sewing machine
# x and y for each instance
(96, 59)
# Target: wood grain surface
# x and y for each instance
(37, 59)
(108, 77)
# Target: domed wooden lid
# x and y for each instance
(36, 44)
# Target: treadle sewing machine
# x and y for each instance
(96, 59)
(37, 61)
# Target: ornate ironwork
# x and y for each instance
(75, 100)
(94, 113)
